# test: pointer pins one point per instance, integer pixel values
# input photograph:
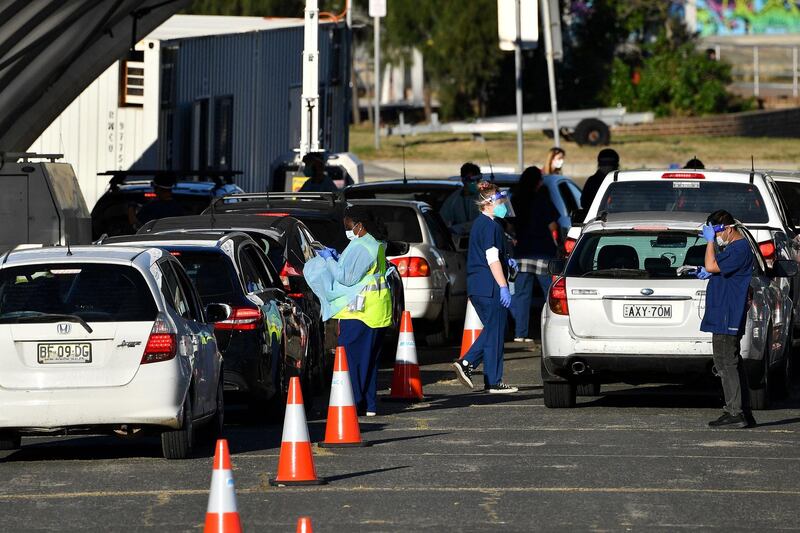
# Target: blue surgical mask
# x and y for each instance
(472, 187)
(500, 211)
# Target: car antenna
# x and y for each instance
(752, 163)
(69, 250)
(489, 159)
(403, 146)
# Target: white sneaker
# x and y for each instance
(522, 339)
(372, 413)
(502, 388)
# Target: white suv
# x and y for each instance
(752, 198)
(628, 307)
(106, 339)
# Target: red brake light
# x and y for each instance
(176, 254)
(569, 245)
(286, 272)
(558, 297)
(412, 267)
(683, 176)
(149, 195)
(268, 214)
(162, 345)
(767, 249)
(241, 319)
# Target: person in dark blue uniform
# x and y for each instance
(318, 180)
(729, 272)
(163, 206)
(487, 287)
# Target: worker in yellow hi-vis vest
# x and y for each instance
(364, 307)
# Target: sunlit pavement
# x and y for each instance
(459, 461)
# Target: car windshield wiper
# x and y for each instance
(55, 317)
(617, 272)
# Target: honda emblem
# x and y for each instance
(64, 328)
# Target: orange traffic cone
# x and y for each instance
(341, 430)
(472, 328)
(304, 525)
(221, 515)
(406, 382)
(296, 463)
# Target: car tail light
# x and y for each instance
(272, 214)
(412, 267)
(767, 249)
(683, 176)
(558, 297)
(286, 272)
(242, 319)
(149, 195)
(569, 245)
(162, 344)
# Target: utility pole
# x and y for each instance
(309, 112)
(356, 110)
(377, 9)
(551, 70)
(518, 79)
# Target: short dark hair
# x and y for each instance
(367, 218)
(694, 164)
(721, 217)
(608, 157)
(469, 170)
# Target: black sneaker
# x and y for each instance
(464, 373)
(501, 388)
(729, 420)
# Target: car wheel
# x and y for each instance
(593, 132)
(179, 443)
(217, 425)
(10, 440)
(588, 389)
(559, 395)
(440, 330)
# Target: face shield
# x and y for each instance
(500, 198)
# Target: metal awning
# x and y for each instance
(51, 50)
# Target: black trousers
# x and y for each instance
(728, 361)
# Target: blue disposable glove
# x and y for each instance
(708, 232)
(505, 297)
(702, 273)
(334, 253)
(512, 263)
(325, 253)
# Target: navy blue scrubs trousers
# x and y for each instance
(363, 346)
(488, 347)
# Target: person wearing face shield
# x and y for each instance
(554, 163)
(318, 180)
(728, 268)
(460, 209)
(488, 263)
(356, 293)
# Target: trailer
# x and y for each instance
(585, 127)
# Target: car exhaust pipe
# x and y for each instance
(578, 368)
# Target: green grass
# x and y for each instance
(634, 150)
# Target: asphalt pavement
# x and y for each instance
(630, 459)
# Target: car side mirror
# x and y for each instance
(556, 266)
(218, 312)
(784, 268)
(577, 217)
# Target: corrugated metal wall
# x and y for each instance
(262, 71)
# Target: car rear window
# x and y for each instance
(93, 292)
(401, 223)
(212, 273)
(328, 232)
(639, 254)
(742, 200)
(434, 197)
(111, 215)
(274, 250)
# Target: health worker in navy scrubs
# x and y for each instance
(728, 272)
(488, 262)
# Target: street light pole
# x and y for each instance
(518, 80)
(377, 115)
(551, 69)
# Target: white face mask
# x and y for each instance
(558, 163)
(721, 242)
(351, 234)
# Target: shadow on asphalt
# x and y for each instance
(340, 477)
(409, 437)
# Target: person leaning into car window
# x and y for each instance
(728, 271)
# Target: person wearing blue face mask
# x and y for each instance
(488, 262)
(728, 267)
(459, 210)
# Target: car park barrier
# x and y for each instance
(472, 328)
(304, 525)
(406, 381)
(296, 462)
(222, 515)
(341, 429)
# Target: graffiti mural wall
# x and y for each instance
(742, 17)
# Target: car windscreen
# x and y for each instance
(327, 231)
(401, 223)
(742, 200)
(91, 291)
(212, 273)
(637, 254)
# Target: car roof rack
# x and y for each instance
(219, 177)
(27, 156)
(328, 197)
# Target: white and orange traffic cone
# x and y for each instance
(472, 328)
(406, 381)
(221, 515)
(304, 525)
(341, 429)
(296, 462)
